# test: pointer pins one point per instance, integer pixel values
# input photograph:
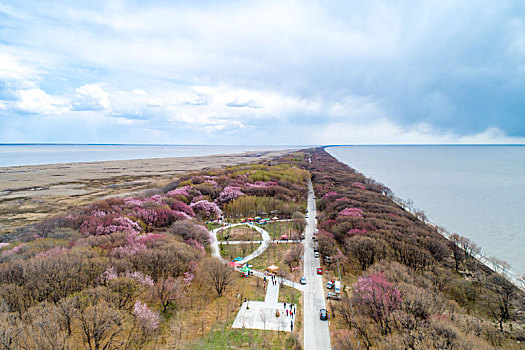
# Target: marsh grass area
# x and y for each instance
(238, 233)
(277, 229)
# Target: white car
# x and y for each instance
(316, 255)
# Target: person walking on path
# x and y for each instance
(291, 326)
(285, 305)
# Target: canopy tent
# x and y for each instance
(245, 269)
(284, 237)
(275, 218)
(272, 268)
(237, 258)
(250, 219)
(234, 264)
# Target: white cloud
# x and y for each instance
(39, 102)
(91, 97)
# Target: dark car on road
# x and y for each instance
(323, 314)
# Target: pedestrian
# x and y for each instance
(285, 305)
(265, 279)
(291, 326)
(287, 313)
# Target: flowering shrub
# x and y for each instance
(181, 191)
(141, 278)
(2, 245)
(108, 275)
(19, 248)
(351, 212)
(52, 252)
(229, 193)
(133, 202)
(147, 319)
(329, 195)
(261, 184)
(196, 244)
(158, 217)
(129, 249)
(149, 238)
(207, 209)
(108, 224)
(356, 231)
(183, 207)
(359, 185)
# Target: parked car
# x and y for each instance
(316, 249)
(303, 280)
(302, 235)
(333, 296)
(306, 216)
(330, 284)
(323, 314)
(319, 270)
(316, 255)
(327, 259)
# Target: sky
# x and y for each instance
(262, 72)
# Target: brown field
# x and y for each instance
(31, 193)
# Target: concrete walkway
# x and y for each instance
(263, 314)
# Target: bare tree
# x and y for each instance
(218, 274)
(67, 309)
(293, 256)
(500, 304)
(100, 325)
(166, 291)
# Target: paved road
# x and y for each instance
(316, 332)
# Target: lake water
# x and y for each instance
(28, 154)
(476, 191)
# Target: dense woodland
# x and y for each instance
(409, 287)
(123, 272)
(135, 272)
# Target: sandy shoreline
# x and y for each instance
(32, 192)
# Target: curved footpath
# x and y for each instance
(316, 331)
(215, 251)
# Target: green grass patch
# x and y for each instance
(225, 337)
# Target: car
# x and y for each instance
(316, 249)
(319, 270)
(330, 284)
(306, 216)
(316, 255)
(333, 296)
(303, 280)
(327, 259)
(302, 235)
(323, 314)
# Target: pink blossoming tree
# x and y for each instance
(147, 319)
(207, 209)
(377, 298)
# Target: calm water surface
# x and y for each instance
(476, 191)
(11, 155)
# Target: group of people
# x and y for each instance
(273, 280)
(290, 312)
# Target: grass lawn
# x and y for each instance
(274, 255)
(238, 233)
(231, 251)
(225, 337)
(276, 229)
